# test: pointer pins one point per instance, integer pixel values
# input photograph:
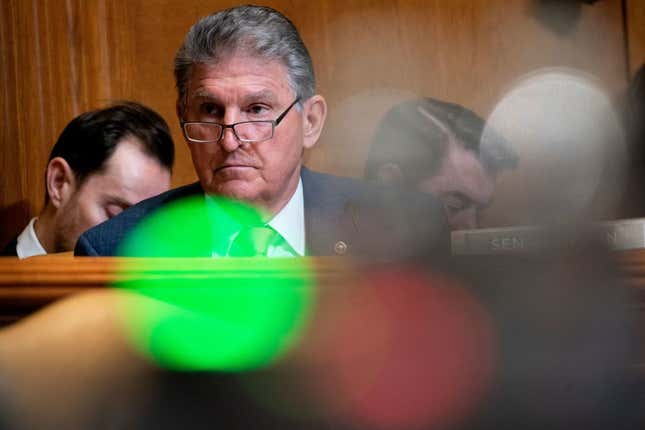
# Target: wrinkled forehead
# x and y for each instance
(249, 96)
(251, 74)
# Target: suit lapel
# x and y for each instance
(329, 228)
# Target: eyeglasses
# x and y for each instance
(245, 131)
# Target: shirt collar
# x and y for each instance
(289, 222)
(28, 244)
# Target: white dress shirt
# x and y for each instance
(28, 244)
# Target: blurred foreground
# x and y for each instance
(533, 341)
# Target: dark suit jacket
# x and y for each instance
(342, 216)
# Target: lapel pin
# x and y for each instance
(340, 247)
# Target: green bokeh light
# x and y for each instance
(225, 314)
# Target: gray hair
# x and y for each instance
(251, 30)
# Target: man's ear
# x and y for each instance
(390, 173)
(315, 112)
(60, 181)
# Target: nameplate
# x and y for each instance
(618, 235)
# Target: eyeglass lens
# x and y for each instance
(250, 131)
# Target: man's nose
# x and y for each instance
(228, 140)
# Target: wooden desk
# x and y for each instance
(27, 285)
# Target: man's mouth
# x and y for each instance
(233, 167)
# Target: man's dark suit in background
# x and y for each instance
(10, 249)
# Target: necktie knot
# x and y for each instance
(253, 241)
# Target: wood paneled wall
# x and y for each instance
(58, 59)
(635, 23)
(61, 57)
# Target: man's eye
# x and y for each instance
(209, 108)
(258, 110)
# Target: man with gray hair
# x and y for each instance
(248, 109)
(443, 149)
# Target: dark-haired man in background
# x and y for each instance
(443, 149)
(103, 162)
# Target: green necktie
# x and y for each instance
(253, 241)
